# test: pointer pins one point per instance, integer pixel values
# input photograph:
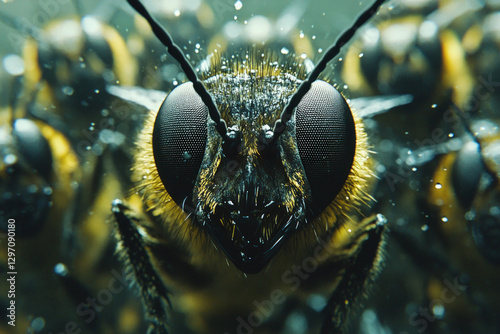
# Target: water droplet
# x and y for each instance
(284, 51)
(424, 227)
(38, 324)
(340, 58)
(13, 64)
(301, 35)
(47, 190)
(61, 269)
(317, 302)
(444, 219)
(177, 12)
(32, 188)
(438, 310)
(303, 56)
(451, 135)
(361, 55)
(97, 91)
(238, 5)
(470, 215)
(414, 169)
(438, 186)
(320, 50)
(68, 90)
(10, 159)
(434, 106)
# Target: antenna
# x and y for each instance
(333, 51)
(176, 52)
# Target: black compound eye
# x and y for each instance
(179, 140)
(33, 146)
(23, 194)
(466, 173)
(326, 140)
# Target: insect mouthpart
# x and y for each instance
(251, 235)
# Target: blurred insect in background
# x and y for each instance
(253, 197)
(464, 193)
(432, 171)
(410, 50)
(59, 175)
(464, 197)
(68, 65)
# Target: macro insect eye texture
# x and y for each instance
(182, 115)
(436, 172)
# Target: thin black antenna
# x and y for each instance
(176, 52)
(331, 53)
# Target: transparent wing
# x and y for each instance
(368, 107)
(150, 99)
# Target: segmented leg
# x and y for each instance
(153, 291)
(361, 269)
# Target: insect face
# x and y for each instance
(253, 197)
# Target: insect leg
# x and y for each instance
(361, 269)
(152, 289)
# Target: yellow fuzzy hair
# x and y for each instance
(177, 224)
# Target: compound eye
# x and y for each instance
(23, 192)
(33, 146)
(466, 174)
(179, 140)
(326, 140)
